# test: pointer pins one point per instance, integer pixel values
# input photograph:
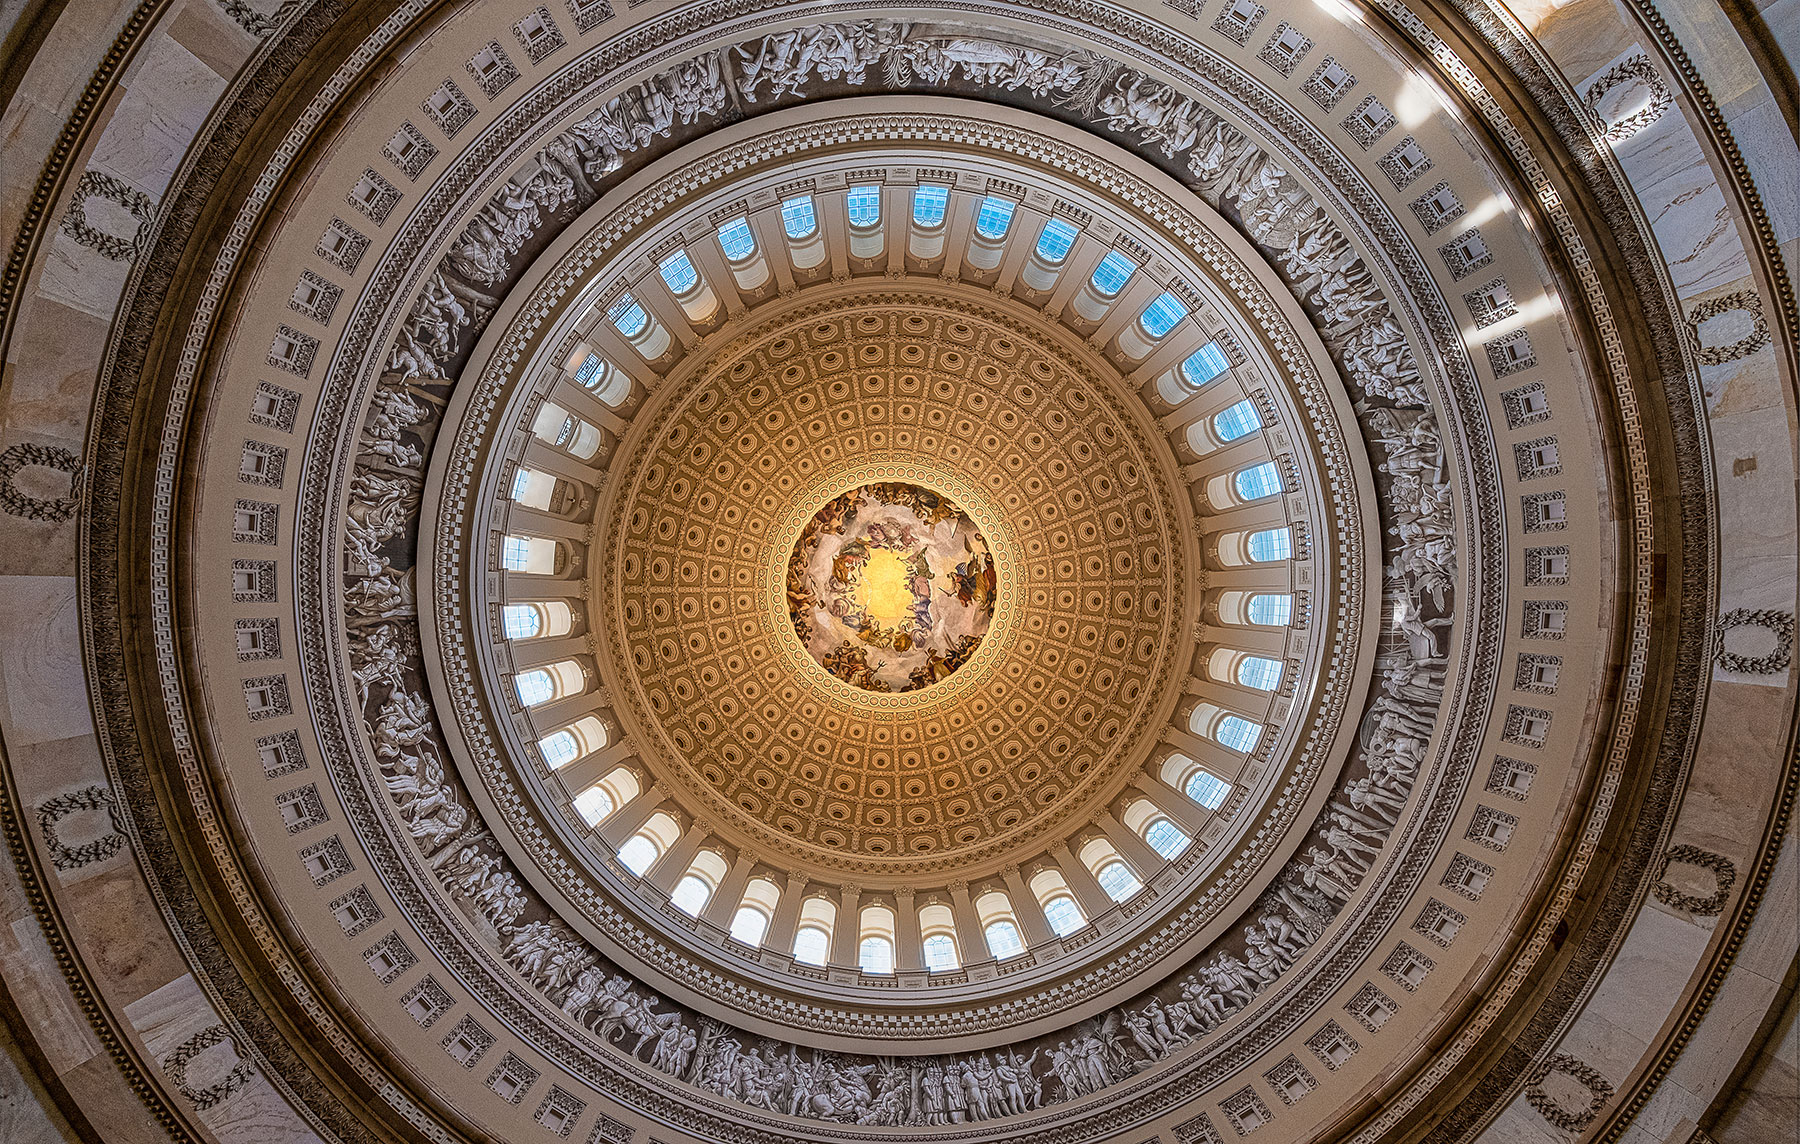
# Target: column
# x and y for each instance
(674, 863)
(787, 915)
(1027, 220)
(626, 820)
(771, 239)
(722, 906)
(1037, 931)
(848, 930)
(959, 220)
(584, 773)
(1093, 899)
(1133, 849)
(1182, 810)
(909, 945)
(970, 941)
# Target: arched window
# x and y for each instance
(797, 217)
(565, 746)
(1239, 420)
(755, 910)
(1058, 902)
(699, 883)
(994, 217)
(627, 317)
(929, 205)
(592, 368)
(1259, 672)
(1003, 940)
(1271, 609)
(559, 749)
(937, 928)
(1270, 544)
(1063, 914)
(520, 621)
(535, 687)
(651, 842)
(812, 935)
(1166, 838)
(594, 805)
(1207, 789)
(1117, 880)
(1238, 733)
(1204, 364)
(1163, 314)
(1148, 822)
(597, 803)
(736, 240)
(531, 554)
(940, 953)
(678, 272)
(690, 894)
(1257, 481)
(1115, 876)
(542, 684)
(533, 488)
(875, 944)
(1055, 241)
(1111, 275)
(999, 926)
(863, 205)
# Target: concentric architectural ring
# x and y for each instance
(749, 571)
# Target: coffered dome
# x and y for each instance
(744, 572)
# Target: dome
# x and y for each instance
(743, 572)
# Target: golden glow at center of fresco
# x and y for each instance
(884, 592)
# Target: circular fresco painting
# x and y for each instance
(891, 587)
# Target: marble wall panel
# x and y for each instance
(1740, 763)
(47, 774)
(35, 983)
(27, 1115)
(106, 1101)
(1712, 42)
(1582, 36)
(1768, 147)
(1520, 1124)
(40, 660)
(122, 936)
(182, 1032)
(1650, 972)
(168, 92)
(1681, 196)
(80, 277)
(52, 84)
(53, 362)
(1754, 454)
(203, 28)
(39, 543)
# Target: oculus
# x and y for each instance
(891, 587)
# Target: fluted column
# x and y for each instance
(1145, 860)
(724, 903)
(626, 820)
(787, 915)
(674, 863)
(909, 946)
(1093, 899)
(1032, 922)
(969, 939)
(847, 931)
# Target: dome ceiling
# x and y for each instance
(724, 573)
